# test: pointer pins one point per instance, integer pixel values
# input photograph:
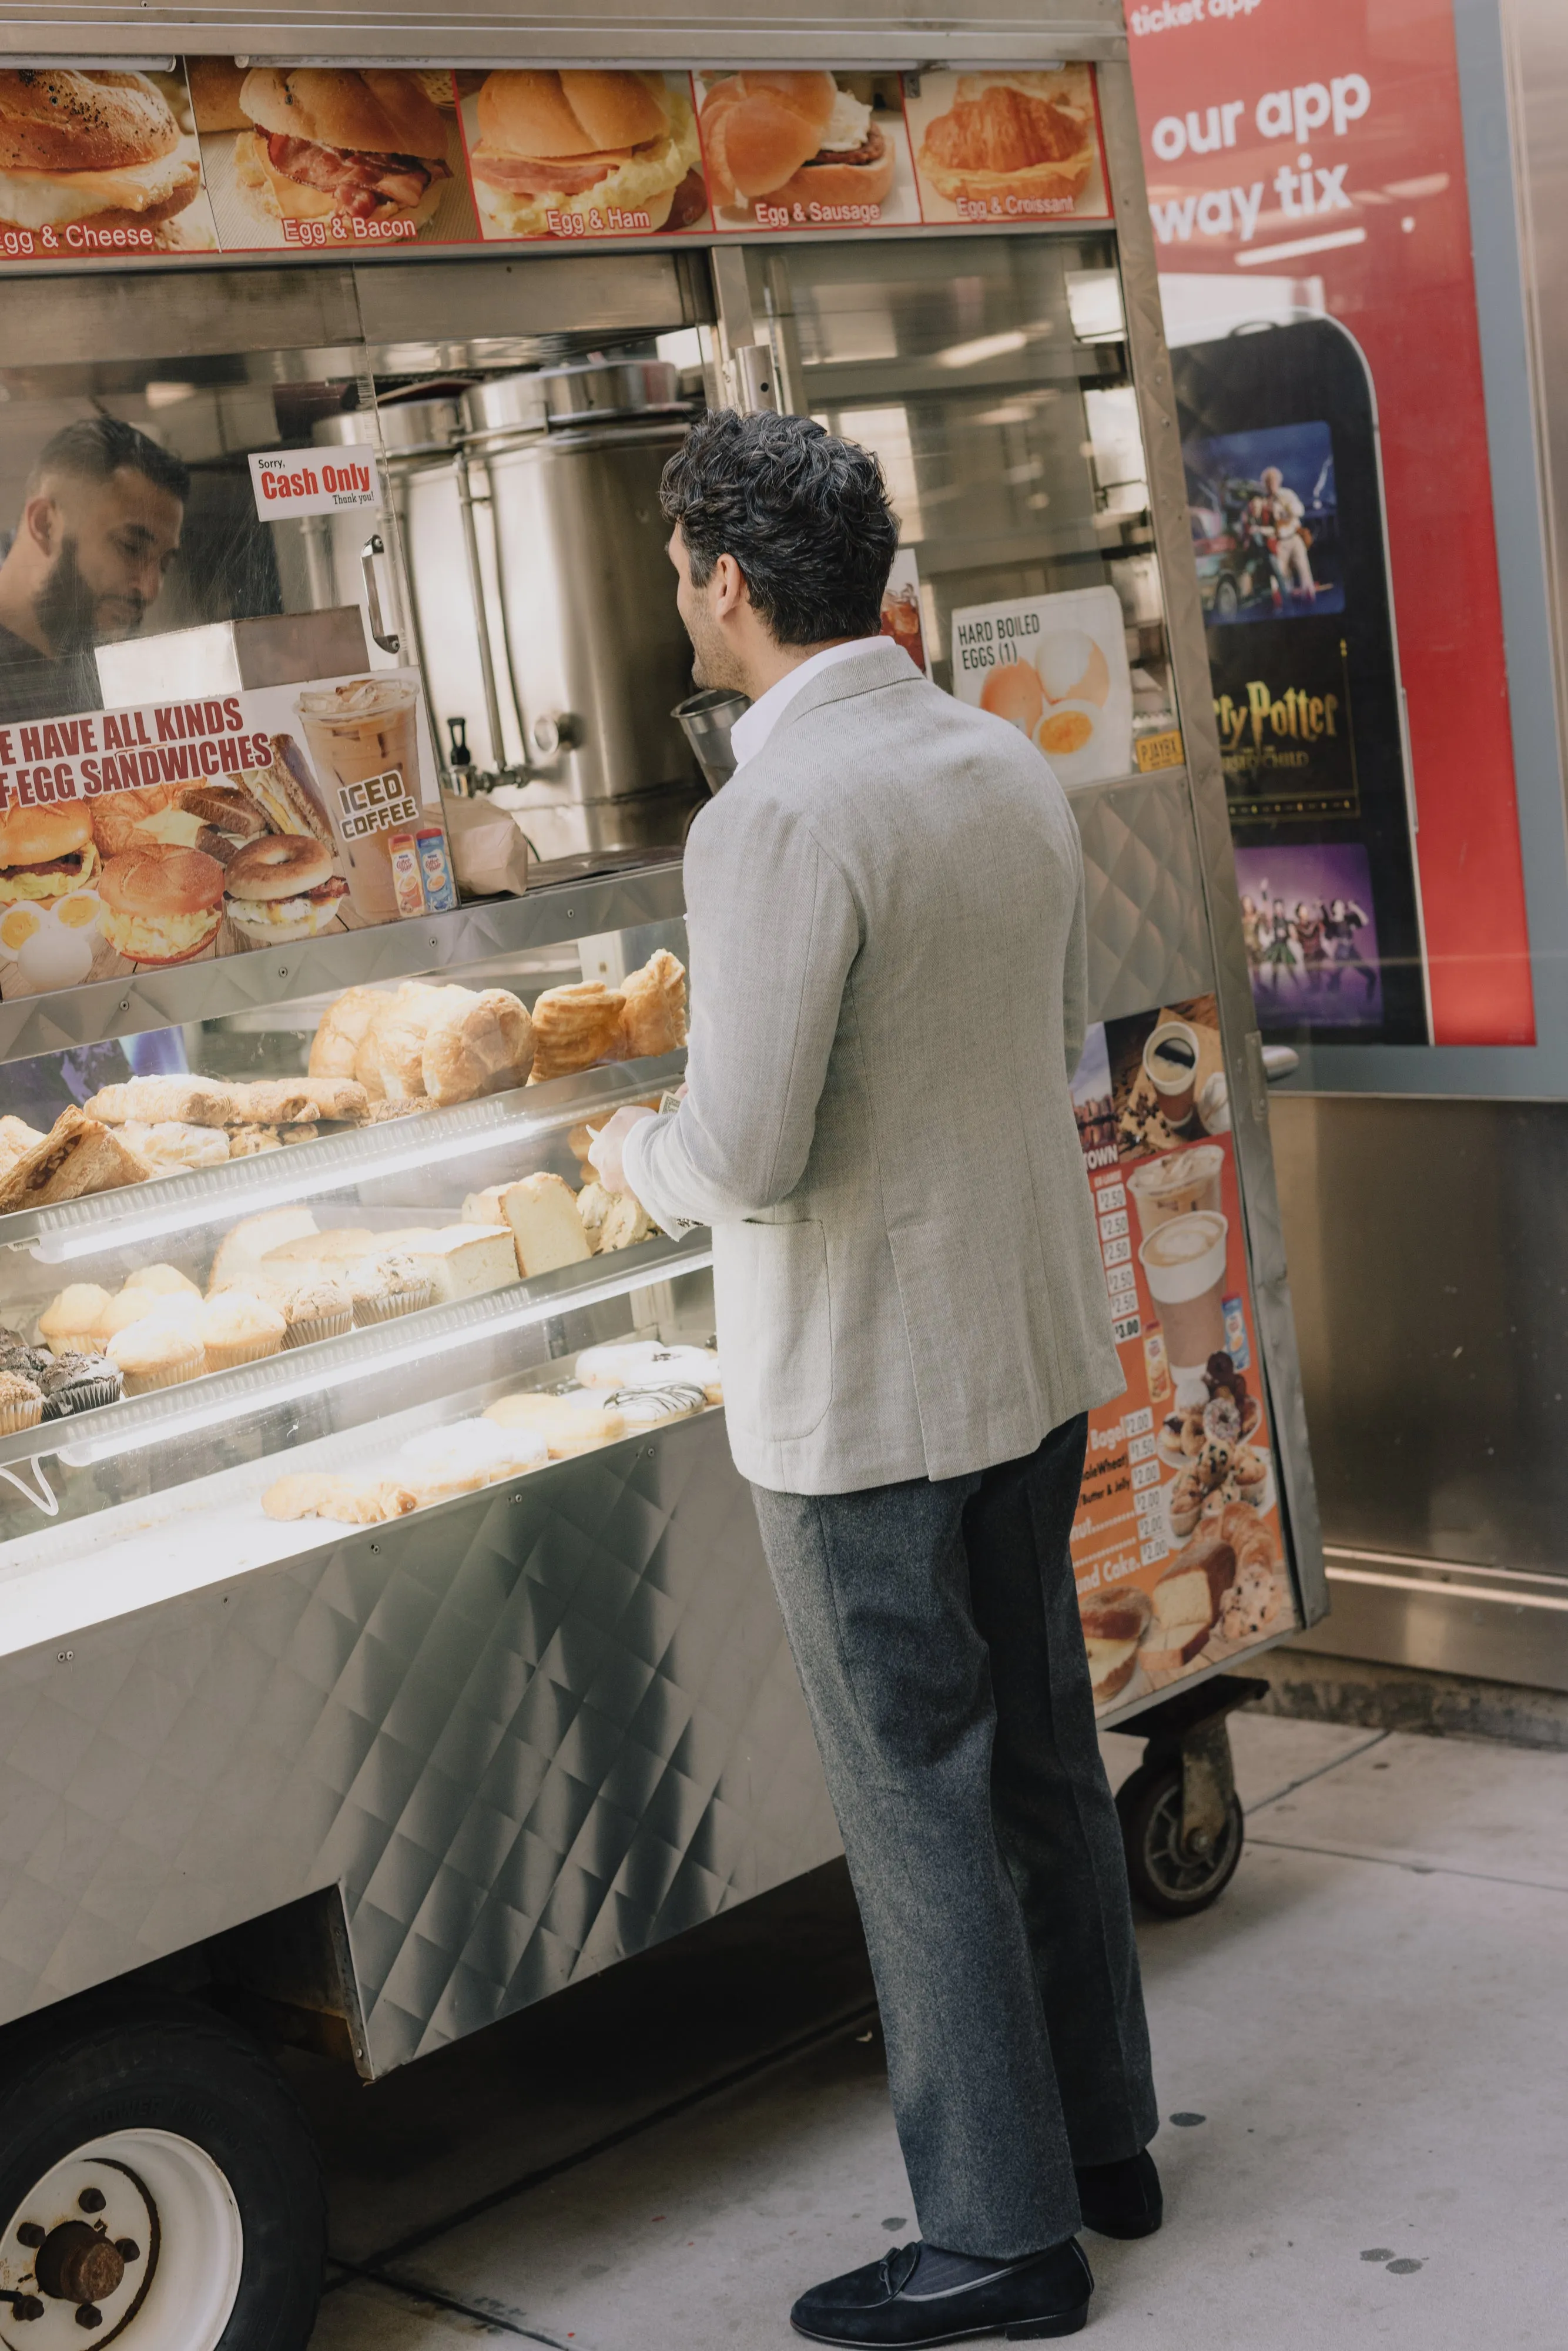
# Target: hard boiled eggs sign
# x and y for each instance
(1056, 668)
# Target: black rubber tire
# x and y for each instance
(145, 2062)
(1149, 1807)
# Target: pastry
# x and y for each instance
(73, 1317)
(1187, 1600)
(594, 1205)
(1113, 1622)
(190, 1101)
(118, 817)
(292, 1101)
(390, 1063)
(627, 1223)
(481, 1046)
(643, 1407)
(131, 1306)
(653, 1017)
(245, 1245)
(16, 1139)
(295, 1496)
(342, 1032)
(1016, 141)
(21, 1402)
(469, 1455)
(574, 1028)
(79, 1155)
(249, 1141)
(316, 1307)
(649, 1364)
(171, 1147)
(365, 1502)
(164, 1280)
(73, 1383)
(461, 1260)
(154, 1353)
(570, 1424)
(238, 1328)
(541, 1213)
(384, 1287)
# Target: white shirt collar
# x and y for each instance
(753, 727)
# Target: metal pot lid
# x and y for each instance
(590, 391)
(407, 425)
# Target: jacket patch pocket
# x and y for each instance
(776, 1327)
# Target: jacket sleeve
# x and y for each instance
(1075, 974)
(773, 930)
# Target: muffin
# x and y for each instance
(165, 1280)
(15, 1355)
(317, 1308)
(156, 1354)
(132, 1306)
(238, 1328)
(74, 1316)
(78, 1384)
(21, 1402)
(381, 1287)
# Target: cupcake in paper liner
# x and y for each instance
(239, 1328)
(21, 1403)
(319, 1309)
(385, 1286)
(153, 1354)
(75, 1383)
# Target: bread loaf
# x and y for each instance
(390, 1063)
(340, 1032)
(655, 1017)
(575, 1027)
(481, 1046)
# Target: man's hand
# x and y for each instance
(604, 1151)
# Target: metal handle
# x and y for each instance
(367, 553)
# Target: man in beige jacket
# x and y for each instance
(885, 911)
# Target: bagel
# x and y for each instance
(278, 865)
(283, 886)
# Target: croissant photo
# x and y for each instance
(1020, 140)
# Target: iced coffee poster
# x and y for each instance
(331, 158)
(101, 165)
(131, 840)
(1176, 1543)
(806, 151)
(1007, 149)
(583, 152)
(1056, 668)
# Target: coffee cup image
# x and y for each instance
(1183, 1263)
(1183, 1181)
(1170, 1063)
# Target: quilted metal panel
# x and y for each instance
(1149, 941)
(528, 1734)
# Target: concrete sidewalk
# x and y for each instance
(1357, 2054)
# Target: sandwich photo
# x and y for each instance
(215, 86)
(1011, 146)
(787, 140)
(618, 150)
(46, 853)
(161, 905)
(283, 885)
(329, 143)
(95, 153)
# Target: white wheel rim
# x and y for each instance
(170, 2212)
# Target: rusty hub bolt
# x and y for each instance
(88, 2317)
(91, 2200)
(128, 2249)
(30, 2233)
(76, 2264)
(26, 2305)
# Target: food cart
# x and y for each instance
(385, 1640)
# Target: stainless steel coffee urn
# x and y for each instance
(543, 607)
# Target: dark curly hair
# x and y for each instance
(805, 515)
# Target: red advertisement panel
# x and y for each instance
(1315, 155)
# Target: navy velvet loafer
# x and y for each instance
(887, 2302)
(1122, 2199)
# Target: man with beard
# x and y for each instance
(99, 526)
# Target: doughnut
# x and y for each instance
(278, 865)
(647, 1363)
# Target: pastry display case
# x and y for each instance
(384, 1621)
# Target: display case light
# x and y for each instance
(419, 1347)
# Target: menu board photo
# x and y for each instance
(1176, 1544)
(132, 839)
(221, 156)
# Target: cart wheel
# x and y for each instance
(161, 2189)
(1164, 1876)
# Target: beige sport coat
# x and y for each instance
(886, 924)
